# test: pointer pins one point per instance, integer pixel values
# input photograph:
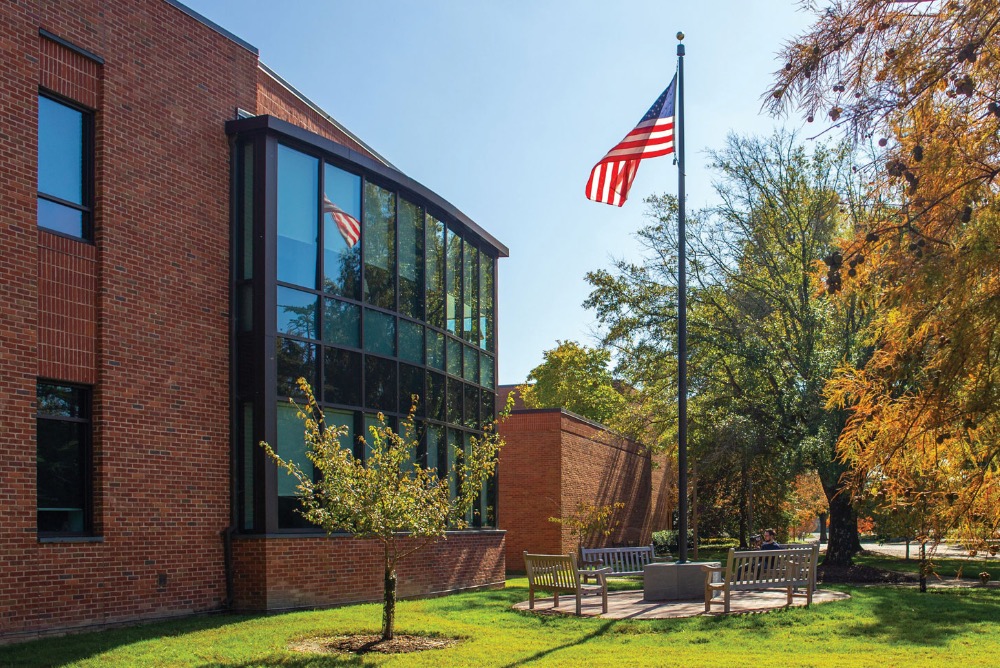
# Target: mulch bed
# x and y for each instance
(366, 644)
(858, 574)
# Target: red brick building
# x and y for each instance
(169, 263)
(553, 460)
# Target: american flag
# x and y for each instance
(348, 225)
(612, 177)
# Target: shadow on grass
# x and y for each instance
(69, 649)
(304, 662)
(904, 615)
(599, 631)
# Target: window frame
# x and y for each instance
(88, 149)
(267, 134)
(87, 447)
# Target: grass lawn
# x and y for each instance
(879, 626)
(945, 568)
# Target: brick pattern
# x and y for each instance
(268, 573)
(529, 482)
(276, 100)
(18, 303)
(142, 314)
(68, 73)
(67, 309)
(152, 291)
(553, 460)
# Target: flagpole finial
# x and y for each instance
(680, 36)
(680, 47)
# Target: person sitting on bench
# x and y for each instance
(769, 543)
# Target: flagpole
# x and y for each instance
(682, 479)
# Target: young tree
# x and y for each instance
(920, 81)
(590, 521)
(385, 496)
(576, 378)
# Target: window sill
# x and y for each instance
(71, 539)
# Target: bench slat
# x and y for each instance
(621, 560)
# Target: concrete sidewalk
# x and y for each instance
(630, 604)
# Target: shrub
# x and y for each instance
(665, 542)
(718, 543)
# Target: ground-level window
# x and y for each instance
(64, 461)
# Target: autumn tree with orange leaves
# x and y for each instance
(918, 85)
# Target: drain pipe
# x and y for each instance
(227, 555)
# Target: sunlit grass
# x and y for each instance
(877, 627)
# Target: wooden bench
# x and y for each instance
(621, 560)
(558, 574)
(787, 568)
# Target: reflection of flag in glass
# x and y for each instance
(612, 177)
(348, 225)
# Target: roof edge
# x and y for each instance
(214, 26)
(319, 110)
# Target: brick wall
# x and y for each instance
(276, 100)
(269, 573)
(529, 482)
(553, 460)
(141, 313)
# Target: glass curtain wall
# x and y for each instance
(377, 301)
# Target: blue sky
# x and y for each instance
(503, 108)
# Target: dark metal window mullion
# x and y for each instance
(359, 450)
(320, 378)
(87, 456)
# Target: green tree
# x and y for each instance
(576, 378)
(763, 340)
(386, 496)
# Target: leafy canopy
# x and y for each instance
(576, 378)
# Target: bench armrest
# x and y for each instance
(712, 569)
(600, 573)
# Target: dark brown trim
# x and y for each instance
(72, 47)
(399, 180)
(214, 26)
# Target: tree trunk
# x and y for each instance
(924, 566)
(822, 528)
(389, 603)
(745, 526)
(694, 509)
(843, 530)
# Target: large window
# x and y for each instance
(65, 156)
(376, 298)
(64, 460)
(379, 242)
(298, 217)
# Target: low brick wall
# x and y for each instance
(279, 573)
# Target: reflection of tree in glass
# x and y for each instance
(485, 301)
(342, 270)
(435, 272)
(295, 360)
(299, 320)
(380, 246)
(453, 283)
(411, 259)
